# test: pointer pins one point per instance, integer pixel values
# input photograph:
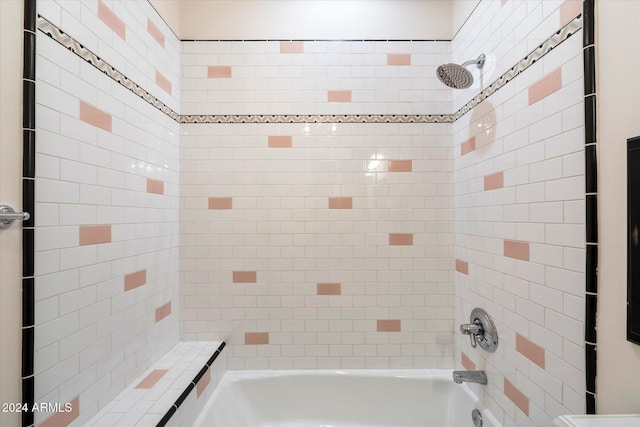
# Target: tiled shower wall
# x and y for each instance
(317, 245)
(519, 215)
(106, 285)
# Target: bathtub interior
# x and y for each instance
(341, 399)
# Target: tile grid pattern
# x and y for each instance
(555, 40)
(164, 394)
(349, 115)
(519, 175)
(106, 247)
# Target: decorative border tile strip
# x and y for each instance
(76, 47)
(319, 118)
(552, 42)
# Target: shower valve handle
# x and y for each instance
(472, 329)
(481, 330)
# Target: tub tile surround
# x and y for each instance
(519, 203)
(253, 264)
(106, 202)
(146, 401)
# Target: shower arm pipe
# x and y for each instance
(479, 61)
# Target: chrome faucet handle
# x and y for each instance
(481, 330)
(472, 329)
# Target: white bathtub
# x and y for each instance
(341, 398)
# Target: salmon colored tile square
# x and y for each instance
(245, 277)
(256, 337)
(203, 382)
(63, 419)
(401, 239)
(163, 311)
(462, 266)
(134, 280)
(468, 146)
(340, 203)
(517, 250)
(220, 203)
(155, 186)
(339, 96)
(551, 83)
(516, 396)
(219, 71)
(530, 350)
(388, 325)
(152, 379)
(111, 19)
(95, 117)
(329, 289)
(94, 234)
(163, 82)
(291, 47)
(467, 363)
(494, 181)
(280, 141)
(155, 32)
(400, 165)
(398, 59)
(569, 10)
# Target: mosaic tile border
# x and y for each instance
(73, 45)
(87, 55)
(319, 118)
(547, 46)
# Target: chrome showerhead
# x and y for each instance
(457, 76)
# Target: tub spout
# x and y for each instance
(460, 377)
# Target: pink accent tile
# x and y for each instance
(339, 96)
(551, 83)
(468, 146)
(518, 250)
(95, 117)
(256, 337)
(530, 350)
(220, 203)
(245, 277)
(569, 10)
(155, 186)
(516, 396)
(462, 266)
(329, 289)
(401, 239)
(340, 203)
(111, 19)
(392, 325)
(467, 363)
(152, 379)
(398, 59)
(400, 165)
(218, 71)
(205, 379)
(163, 311)
(494, 181)
(134, 280)
(503, 2)
(163, 82)
(155, 32)
(94, 234)
(63, 419)
(291, 47)
(280, 141)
